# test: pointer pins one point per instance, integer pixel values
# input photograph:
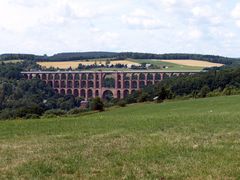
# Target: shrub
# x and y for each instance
(32, 116)
(54, 112)
(96, 104)
(122, 103)
(76, 111)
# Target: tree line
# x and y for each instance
(119, 56)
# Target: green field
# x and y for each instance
(194, 139)
(171, 66)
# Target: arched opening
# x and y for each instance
(119, 85)
(119, 77)
(133, 91)
(56, 84)
(108, 95)
(90, 76)
(63, 76)
(69, 84)
(126, 76)
(142, 76)
(90, 93)
(109, 81)
(62, 92)
(83, 84)
(76, 93)
(77, 77)
(84, 77)
(69, 92)
(158, 77)
(119, 94)
(50, 83)
(83, 93)
(125, 93)
(90, 84)
(44, 76)
(149, 76)
(97, 93)
(126, 84)
(25, 76)
(134, 76)
(56, 91)
(76, 84)
(56, 76)
(70, 77)
(63, 84)
(134, 84)
(149, 83)
(50, 77)
(166, 76)
(141, 84)
(37, 76)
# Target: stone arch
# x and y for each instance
(76, 93)
(126, 84)
(142, 76)
(108, 94)
(37, 76)
(69, 84)
(158, 77)
(134, 76)
(109, 81)
(56, 91)
(56, 76)
(90, 93)
(127, 76)
(62, 92)
(50, 76)
(134, 84)
(90, 76)
(141, 84)
(69, 92)
(97, 93)
(70, 77)
(83, 84)
(76, 84)
(50, 83)
(83, 93)
(63, 76)
(149, 83)
(84, 77)
(125, 93)
(119, 94)
(56, 84)
(90, 84)
(77, 77)
(149, 76)
(44, 77)
(63, 84)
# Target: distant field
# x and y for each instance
(194, 139)
(74, 64)
(168, 65)
(195, 63)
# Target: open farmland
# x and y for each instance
(74, 64)
(194, 139)
(195, 63)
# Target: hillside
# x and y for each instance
(119, 56)
(195, 139)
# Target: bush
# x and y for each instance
(54, 112)
(32, 116)
(76, 111)
(204, 91)
(122, 103)
(96, 104)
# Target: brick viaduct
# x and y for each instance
(89, 84)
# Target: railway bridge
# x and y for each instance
(90, 84)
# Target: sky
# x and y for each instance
(154, 26)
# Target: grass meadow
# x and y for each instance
(192, 139)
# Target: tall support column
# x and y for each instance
(138, 81)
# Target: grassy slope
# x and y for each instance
(171, 66)
(183, 139)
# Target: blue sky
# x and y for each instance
(155, 26)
